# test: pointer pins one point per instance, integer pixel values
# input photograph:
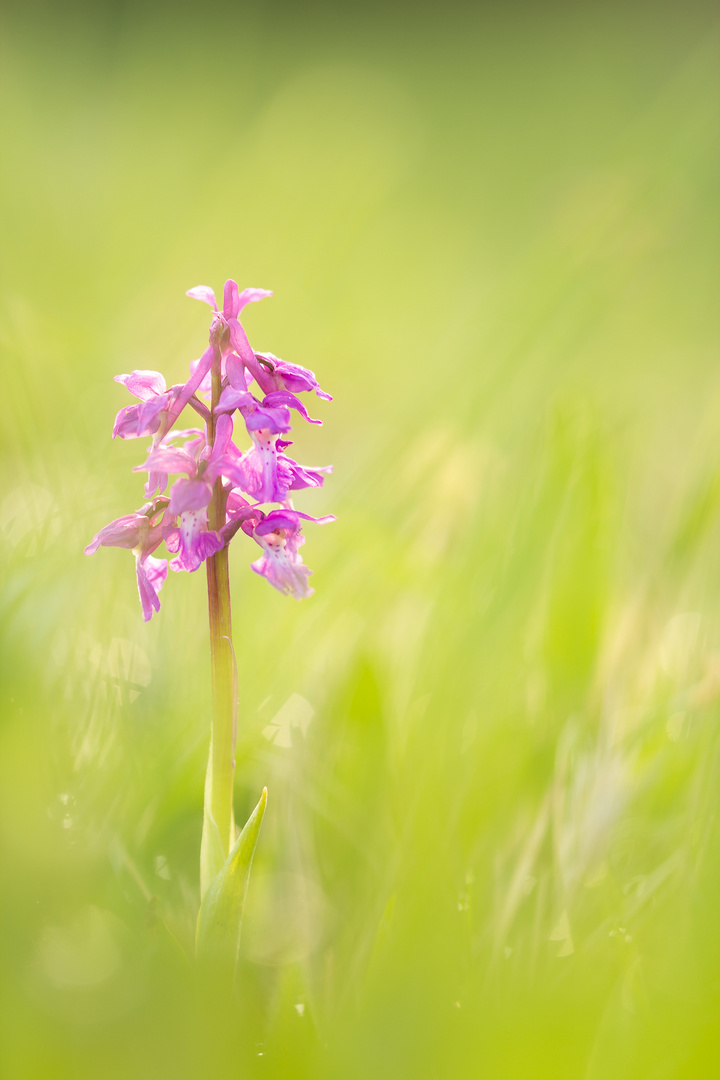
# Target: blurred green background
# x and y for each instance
(492, 843)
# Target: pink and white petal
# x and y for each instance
(124, 532)
(303, 477)
(126, 423)
(189, 495)
(325, 520)
(216, 459)
(156, 484)
(236, 504)
(203, 366)
(143, 384)
(296, 378)
(231, 305)
(239, 341)
(249, 296)
(276, 421)
(278, 519)
(264, 378)
(151, 574)
(169, 459)
(192, 522)
(285, 397)
(183, 433)
(260, 473)
(209, 543)
(223, 435)
(171, 536)
(196, 543)
(204, 293)
(149, 413)
(235, 371)
(205, 386)
(284, 570)
(157, 571)
(231, 399)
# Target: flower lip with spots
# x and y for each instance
(279, 535)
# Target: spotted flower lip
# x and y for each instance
(192, 540)
(207, 464)
(279, 535)
(267, 475)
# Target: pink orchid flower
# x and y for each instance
(208, 464)
(142, 533)
(279, 535)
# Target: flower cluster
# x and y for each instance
(220, 490)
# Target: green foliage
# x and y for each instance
(491, 737)
(220, 918)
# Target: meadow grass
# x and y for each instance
(491, 738)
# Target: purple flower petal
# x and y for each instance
(235, 370)
(149, 419)
(126, 423)
(203, 366)
(249, 296)
(143, 384)
(284, 397)
(223, 435)
(135, 421)
(289, 519)
(257, 417)
(231, 307)
(239, 341)
(279, 536)
(261, 473)
(205, 387)
(270, 373)
(195, 543)
(155, 484)
(123, 532)
(151, 574)
(287, 574)
(302, 477)
(186, 495)
(231, 399)
(324, 520)
(204, 293)
(241, 515)
(233, 303)
(260, 418)
(169, 459)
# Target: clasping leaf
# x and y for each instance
(221, 911)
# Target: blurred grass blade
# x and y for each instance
(220, 918)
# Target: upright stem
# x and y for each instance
(221, 763)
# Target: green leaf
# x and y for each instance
(212, 852)
(221, 911)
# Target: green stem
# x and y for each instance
(218, 825)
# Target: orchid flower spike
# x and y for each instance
(220, 489)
